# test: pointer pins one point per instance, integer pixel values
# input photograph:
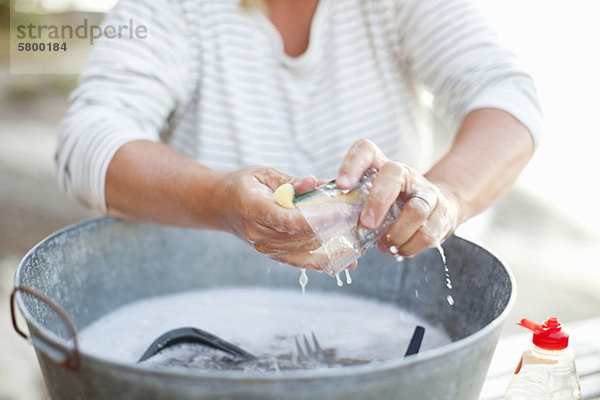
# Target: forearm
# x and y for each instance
(149, 182)
(489, 151)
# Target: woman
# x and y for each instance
(194, 124)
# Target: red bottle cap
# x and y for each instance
(548, 336)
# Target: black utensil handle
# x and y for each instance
(415, 342)
(193, 336)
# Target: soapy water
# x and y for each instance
(348, 277)
(303, 281)
(440, 249)
(394, 250)
(449, 298)
(262, 321)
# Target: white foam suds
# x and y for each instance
(264, 322)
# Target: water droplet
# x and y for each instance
(393, 250)
(448, 281)
(442, 253)
(417, 293)
(348, 277)
(339, 280)
(303, 280)
(450, 300)
(399, 259)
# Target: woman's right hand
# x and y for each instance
(243, 205)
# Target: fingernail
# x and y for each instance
(368, 219)
(343, 181)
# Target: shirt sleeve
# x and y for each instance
(133, 83)
(451, 51)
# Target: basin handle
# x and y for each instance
(67, 360)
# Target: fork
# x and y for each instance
(310, 354)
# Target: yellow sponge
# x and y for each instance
(352, 197)
(284, 195)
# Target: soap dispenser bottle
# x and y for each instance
(547, 369)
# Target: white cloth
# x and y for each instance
(214, 79)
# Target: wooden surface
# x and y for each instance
(584, 341)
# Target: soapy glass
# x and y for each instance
(334, 214)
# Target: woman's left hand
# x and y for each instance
(430, 212)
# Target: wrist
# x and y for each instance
(203, 197)
(457, 203)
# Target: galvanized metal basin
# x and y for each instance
(92, 268)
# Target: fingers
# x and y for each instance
(302, 260)
(271, 178)
(286, 221)
(427, 219)
(277, 219)
(274, 216)
(363, 155)
(430, 234)
(414, 213)
(387, 186)
(249, 211)
(287, 232)
(271, 247)
(264, 209)
(270, 242)
(304, 184)
(306, 260)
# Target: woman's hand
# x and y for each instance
(243, 204)
(430, 212)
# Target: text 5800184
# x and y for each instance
(49, 46)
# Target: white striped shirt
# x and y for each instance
(213, 82)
